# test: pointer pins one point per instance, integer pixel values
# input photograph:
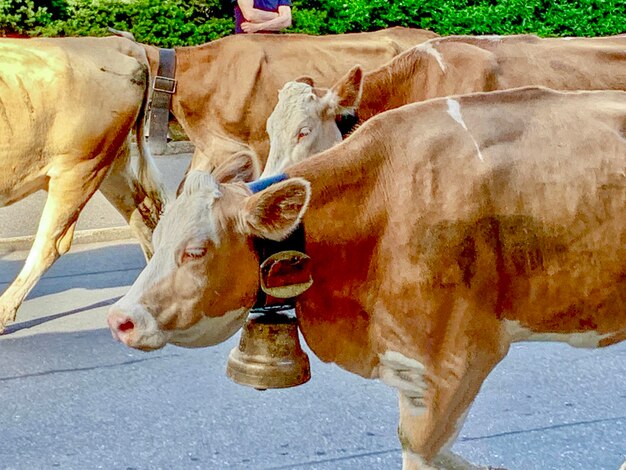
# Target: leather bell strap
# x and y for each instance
(268, 248)
(163, 87)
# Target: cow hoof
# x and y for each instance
(7, 315)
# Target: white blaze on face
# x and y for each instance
(189, 294)
(301, 125)
(186, 218)
(186, 221)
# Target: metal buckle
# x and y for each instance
(286, 263)
(165, 82)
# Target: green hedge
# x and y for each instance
(185, 22)
(543, 17)
(167, 23)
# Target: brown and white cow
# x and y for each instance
(67, 107)
(303, 122)
(226, 89)
(440, 233)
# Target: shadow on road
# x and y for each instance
(39, 321)
(98, 268)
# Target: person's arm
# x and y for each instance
(282, 21)
(254, 15)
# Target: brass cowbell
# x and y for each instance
(269, 353)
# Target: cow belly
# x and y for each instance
(56, 110)
(584, 307)
(23, 161)
(18, 188)
(584, 339)
(34, 92)
(546, 281)
(26, 117)
(570, 279)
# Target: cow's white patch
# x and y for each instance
(406, 375)
(428, 48)
(587, 339)
(454, 110)
(490, 37)
(623, 467)
(210, 330)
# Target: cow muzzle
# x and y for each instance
(135, 328)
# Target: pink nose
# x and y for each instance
(120, 324)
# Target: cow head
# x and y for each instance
(303, 122)
(204, 275)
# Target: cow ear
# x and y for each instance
(242, 166)
(276, 211)
(306, 79)
(348, 89)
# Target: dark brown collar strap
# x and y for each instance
(163, 87)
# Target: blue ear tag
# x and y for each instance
(260, 185)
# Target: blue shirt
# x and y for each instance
(266, 5)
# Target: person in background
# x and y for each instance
(262, 16)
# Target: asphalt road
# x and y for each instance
(72, 398)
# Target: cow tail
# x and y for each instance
(148, 175)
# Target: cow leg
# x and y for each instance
(434, 400)
(449, 460)
(67, 195)
(123, 191)
(426, 429)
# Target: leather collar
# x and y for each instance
(293, 247)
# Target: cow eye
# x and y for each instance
(303, 133)
(191, 253)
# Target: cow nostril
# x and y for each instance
(127, 325)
